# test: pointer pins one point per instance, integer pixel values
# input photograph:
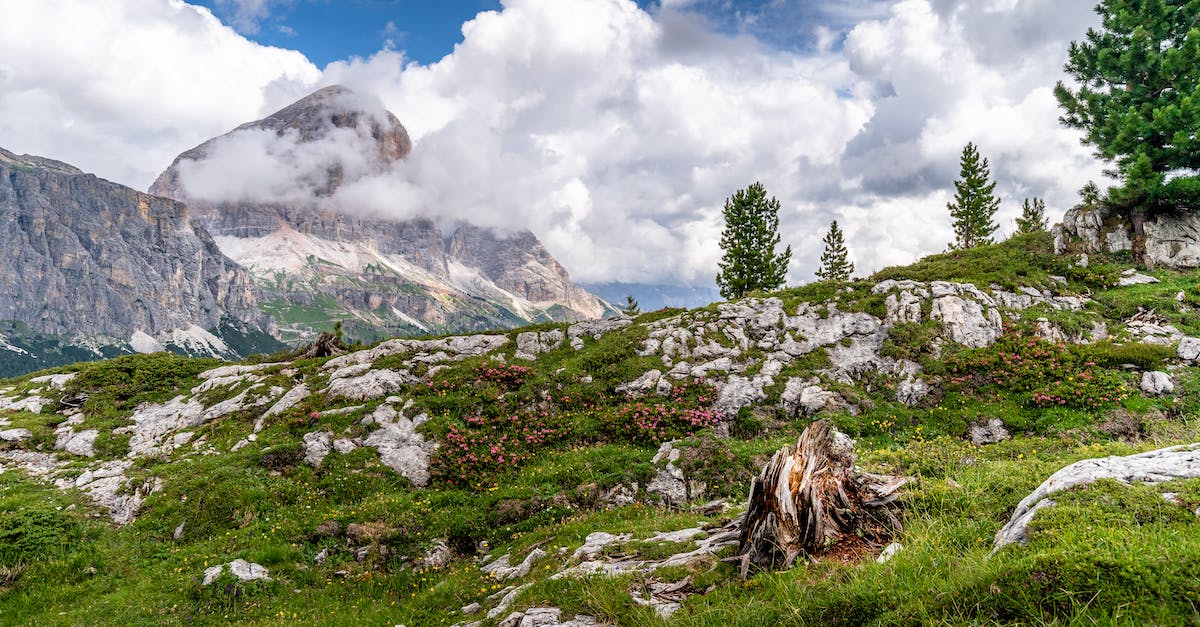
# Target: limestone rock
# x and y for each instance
(82, 443)
(644, 383)
(739, 391)
(15, 435)
(56, 381)
(240, 568)
(372, 384)
(316, 446)
(502, 571)
(532, 343)
(546, 617)
(989, 432)
(967, 321)
(1157, 383)
(594, 543)
(912, 391)
(1189, 349)
(109, 487)
(1133, 277)
(1177, 462)
(596, 329)
(400, 447)
(1173, 240)
(669, 484)
(286, 402)
(436, 557)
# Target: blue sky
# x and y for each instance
(426, 30)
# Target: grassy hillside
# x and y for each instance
(538, 454)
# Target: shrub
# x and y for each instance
(1045, 374)
(475, 453)
(506, 375)
(125, 382)
(281, 456)
(30, 535)
(682, 413)
(1110, 355)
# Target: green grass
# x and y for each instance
(1104, 555)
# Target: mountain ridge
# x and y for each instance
(384, 277)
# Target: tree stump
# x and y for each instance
(327, 345)
(808, 498)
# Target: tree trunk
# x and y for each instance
(808, 498)
(327, 344)
(1137, 223)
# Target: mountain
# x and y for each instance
(316, 262)
(93, 268)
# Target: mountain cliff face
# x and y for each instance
(317, 263)
(110, 269)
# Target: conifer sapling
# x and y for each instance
(835, 262)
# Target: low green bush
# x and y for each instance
(1043, 373)
(1108, 354)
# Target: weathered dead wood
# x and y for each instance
(808, 498)
(327, 345)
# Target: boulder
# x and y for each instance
(240, 568)
(669, 483)
(82, 443)
(1133, 277)
(400, 447)
(372, 384)
(1173, 240)
(15, 435)
(316, 447)
(644, 383)
(1189, 349)
(988, 432)
(1157, 383)
(967, 321)
(739, 391)
(532, 343)
(912, 391)
(500, 569)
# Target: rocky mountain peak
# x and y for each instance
(108, 267)
(267, 192)
(315, 126)
(28, 162)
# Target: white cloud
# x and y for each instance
(245, 15)
(613, 134)
(121, 87)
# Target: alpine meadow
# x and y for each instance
(414, 323)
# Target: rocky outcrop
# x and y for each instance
(307, 245)
(1169, 239)
(1177, 462)
(112, 264)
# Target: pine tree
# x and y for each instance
(835, 262)
(631, 307)
(974, 202)
(749, 239)
(1134, 95)
(1033, 217)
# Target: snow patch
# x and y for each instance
(140, 342)
(196, 340)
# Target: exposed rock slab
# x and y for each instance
(1177, 462)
